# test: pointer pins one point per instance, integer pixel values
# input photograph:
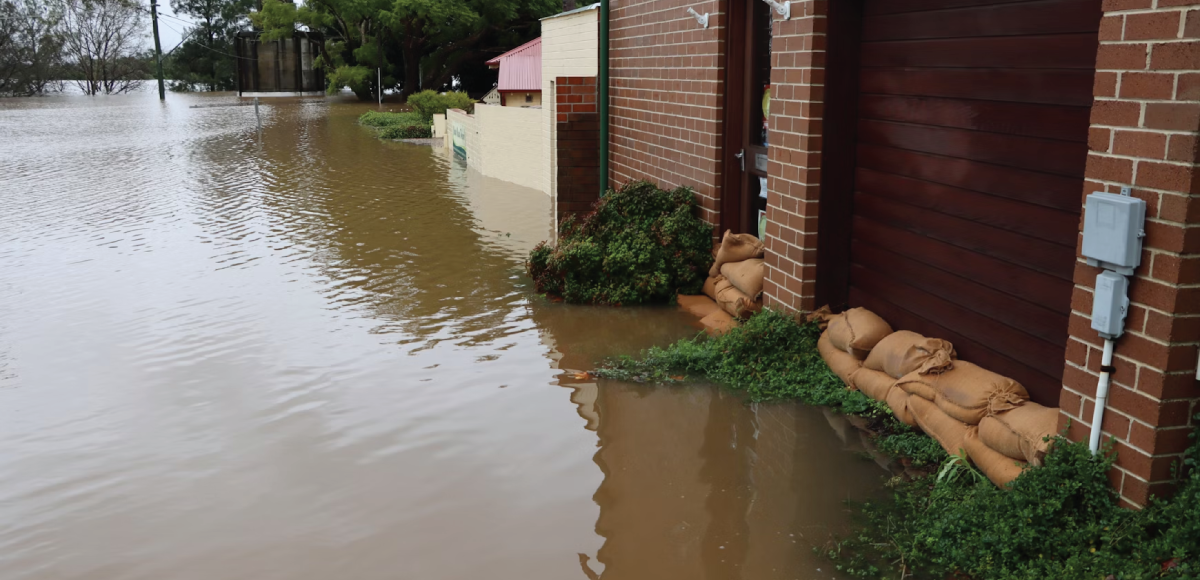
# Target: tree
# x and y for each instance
(441, 37)
(103, 45)
(205, 58)
(30, 48)
(419, 44)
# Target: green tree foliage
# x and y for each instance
(30, 47)
(206, 59)
(418, 44)
(430, 103)
(639, 245)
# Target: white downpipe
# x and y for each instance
(1101, 396)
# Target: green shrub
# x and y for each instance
(386, 119)
(638, 245)
(406, 132)
(429, 103)
(407, 125)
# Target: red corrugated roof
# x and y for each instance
(531, 48)
(520, 68)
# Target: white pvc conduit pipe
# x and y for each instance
(1101, 395)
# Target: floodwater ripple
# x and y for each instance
(308, 354)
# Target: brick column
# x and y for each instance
(578, 151)
(1145, 123)
(797, 108)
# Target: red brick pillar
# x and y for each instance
(578, 145)
(797, 108)
(1145, 122)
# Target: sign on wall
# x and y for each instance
(458, 139)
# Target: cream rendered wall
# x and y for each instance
(458, 122)
(510, 141)
(518, 100)
(570, 48)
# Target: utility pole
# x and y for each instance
(162, 94)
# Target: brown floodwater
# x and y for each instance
(307, 354)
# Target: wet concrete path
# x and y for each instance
(312, 355)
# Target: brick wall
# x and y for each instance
(666, 88)
(570, 48)
(577, 126)
(797, 97)
(1145, 122)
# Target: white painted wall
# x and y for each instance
(463, 130)
(570, 48)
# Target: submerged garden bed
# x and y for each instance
(1060, 520)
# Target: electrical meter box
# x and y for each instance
(1110, 303)
(1113, 231)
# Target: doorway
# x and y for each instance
(747, 105)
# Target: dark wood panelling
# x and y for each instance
(1048, 17)
(1032, 187)
(1057, 51)
(1056, 87)
(1048, 325)
(1051, 225)
(879, 7)
(971, 146)
(1047, 121)
(1049, 291)
(1032, 153)
(1043, 388)
(1024, 251)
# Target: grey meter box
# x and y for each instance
(1110, 304)
(1112, 232)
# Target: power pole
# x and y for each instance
(162, 94)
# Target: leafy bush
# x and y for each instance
(407, 125)
(429, 103)
(1061, 520)
(639, 244)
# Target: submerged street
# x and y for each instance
(308, 354)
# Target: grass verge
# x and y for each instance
(406, 125)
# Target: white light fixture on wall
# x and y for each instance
(703, 20)
(783, 9)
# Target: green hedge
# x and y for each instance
(408, 125)
(639, 244)
(430, 103)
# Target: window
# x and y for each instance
(528, 97)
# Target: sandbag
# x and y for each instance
(1020, 433)
(903, 352)
(718, 323)
(857, 331)
(897, 401)
(998, 468)
(710, 286)
(969, 392)
(947, 430)
(746, 275)
(821, 316)
(919, 385)
(874, 383)
(698, 306)
(733, 301)
(735, 248)
(841, 363)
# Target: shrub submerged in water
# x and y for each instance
(639, 244)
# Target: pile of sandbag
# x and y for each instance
(961, 405)
(735, 281)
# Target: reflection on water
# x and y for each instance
(307, 354)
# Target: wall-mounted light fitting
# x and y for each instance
(783, 9)
(703, 20)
